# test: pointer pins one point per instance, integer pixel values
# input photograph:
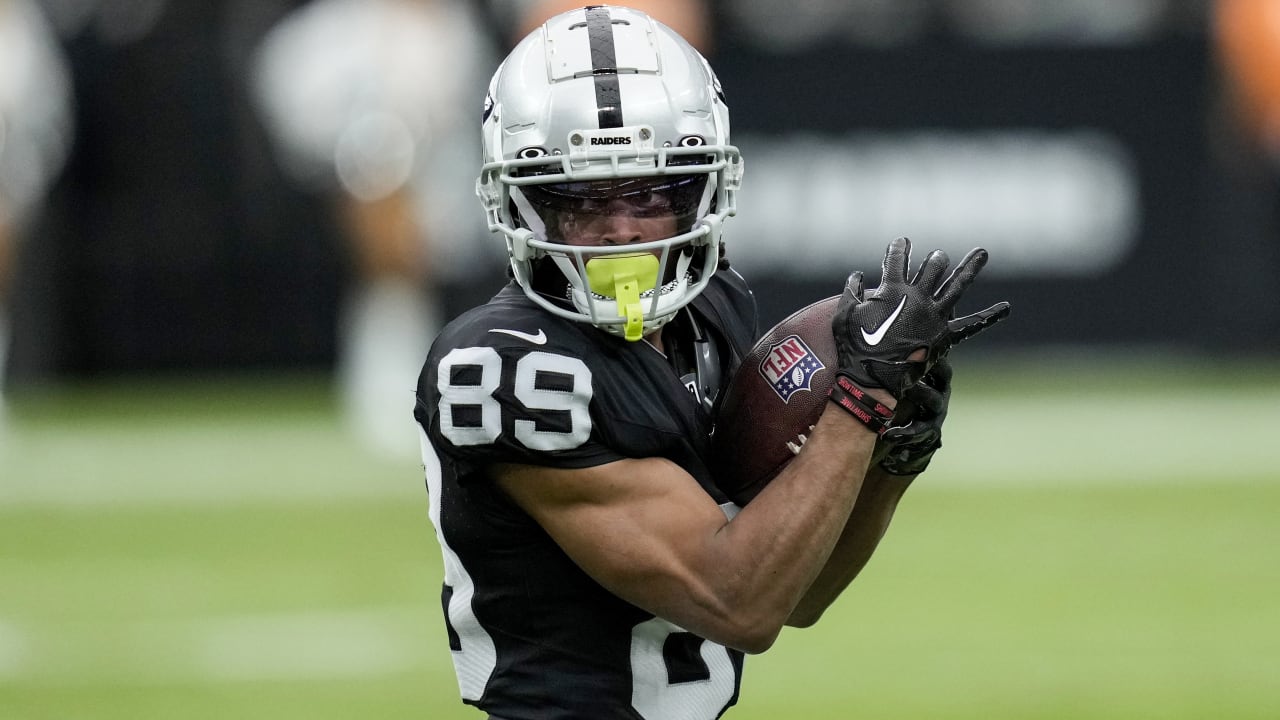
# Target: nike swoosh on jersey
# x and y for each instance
(874, 338)
(540, 338)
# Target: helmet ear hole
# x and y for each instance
(692, 141)
(531, 153)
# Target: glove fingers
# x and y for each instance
(914, 434)
(939, 376)
(931, 271)
(961, 278)
(851, 296)
(966, 327)
(896, 261)
(926, 404)
(853, 286)
(928, 401)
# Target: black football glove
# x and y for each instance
(876, 331)
(913, 442)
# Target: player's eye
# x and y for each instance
(650, 202)
(646, 203)
(653, 200)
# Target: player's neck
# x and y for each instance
(655, 341)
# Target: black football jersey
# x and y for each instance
(532, 635)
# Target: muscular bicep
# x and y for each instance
(645, 530)
(642, 528)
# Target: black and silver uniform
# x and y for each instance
(532, 635)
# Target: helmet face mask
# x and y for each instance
(589, 166)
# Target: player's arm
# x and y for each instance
(646, 531)
(910, 446)
(918, 373)
(862, 533)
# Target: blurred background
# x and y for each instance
(229, 230)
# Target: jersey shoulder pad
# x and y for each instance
(510, 326)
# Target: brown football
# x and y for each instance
(773, 399)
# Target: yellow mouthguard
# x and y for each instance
(623, 278)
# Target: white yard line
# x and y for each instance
(1094, 438)
(310, 645)
(13, 650)
(299, 646)
(1181, 436)
(195, 464)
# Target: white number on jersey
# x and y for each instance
(656, 695)
(476, 656)
(573, 401)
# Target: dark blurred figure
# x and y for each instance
(371, 104)
(170, 243)
(1247, 36)
(35, 128)
(1246, 131)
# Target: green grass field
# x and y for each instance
(1085, 547)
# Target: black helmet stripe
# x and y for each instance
(604, 67)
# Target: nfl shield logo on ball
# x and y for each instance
(789, 366)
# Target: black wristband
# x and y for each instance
(846, 383)
(855, 401)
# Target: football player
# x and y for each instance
(36, 108)
(592, 568)
(352, 95)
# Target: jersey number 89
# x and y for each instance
(543, 382)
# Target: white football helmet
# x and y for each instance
(602, 103)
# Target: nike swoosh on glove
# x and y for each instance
(877, 331)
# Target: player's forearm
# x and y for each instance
(866, 525)
(777, 546)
